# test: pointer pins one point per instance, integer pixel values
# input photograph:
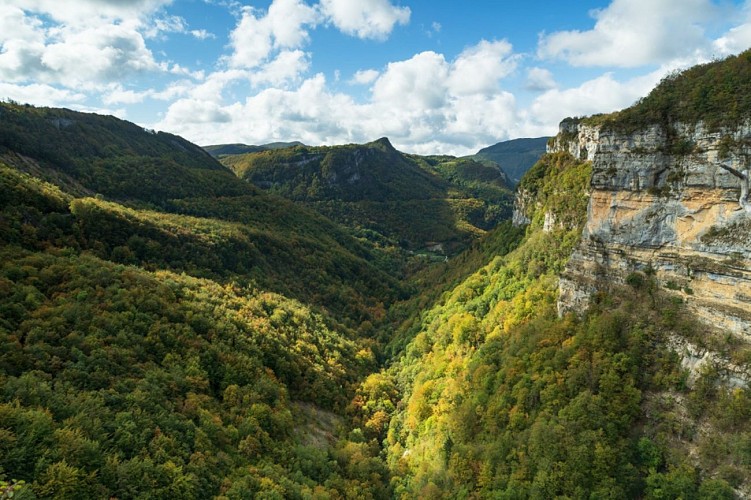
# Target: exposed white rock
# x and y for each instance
(662, 199)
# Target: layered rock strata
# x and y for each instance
(663, 203)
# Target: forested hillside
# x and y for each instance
(199, 340)
(135, 202)
(169, 330)
(497, 397)
(392, 199)
(717, 93)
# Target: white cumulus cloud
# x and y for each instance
(365, 18)
(738, 38)
(417, 83)
(104, 53)
(599, 95)
(82, 56)
(364, 77)
(540, 79)
(284, 26)
(40, 94)
(285, 68)
(479, 69)
(631, 33)
(418, 103)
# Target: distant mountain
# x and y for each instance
(169, 330)
(413, 201)
(218, 150)
(515, 156)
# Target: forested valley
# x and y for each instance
(170, 330)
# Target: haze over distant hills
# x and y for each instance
(515, 156)
(237, 149)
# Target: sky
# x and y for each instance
(434, 76)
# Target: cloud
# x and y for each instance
(599, 95)
(118, 95)
(76, 56)
(193, 111)
(91, 54)
(738, 38)
(168, 24)
(89, 12)
(417, 102)
(365, 18)
(16, 26)
(212, 89)
(539, 79)
(417, 83)
(176, 69)
(479, 69)
(309, 113)
(284, 26)
(427, 80)
(285, 68)
(39, 94)
(365, 77)
(105, 53)
(202, 34)
(162, 26)
(632, 33)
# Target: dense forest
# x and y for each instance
(398, 201)
(717, 93)
(168, 330)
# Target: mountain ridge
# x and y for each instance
(217, 150)
(376, 190)
(216, 340)
(515, 156)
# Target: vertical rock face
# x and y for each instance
(521, 206)
(661, 203)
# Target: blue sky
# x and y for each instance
(435, 76)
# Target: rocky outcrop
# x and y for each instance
(662, 203)
(522, 203)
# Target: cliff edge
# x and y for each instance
(665, 200)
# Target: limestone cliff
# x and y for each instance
(661, 202)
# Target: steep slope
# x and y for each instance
(383, 194)
(515, 156)
(185, 212)
(669, 211)
(665, 197)
(144, 353)
(109, 156)
(497, 397)
(117, 381)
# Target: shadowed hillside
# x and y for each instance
(220, 150)
(408, 201)
(174, 207)
(515, 156)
